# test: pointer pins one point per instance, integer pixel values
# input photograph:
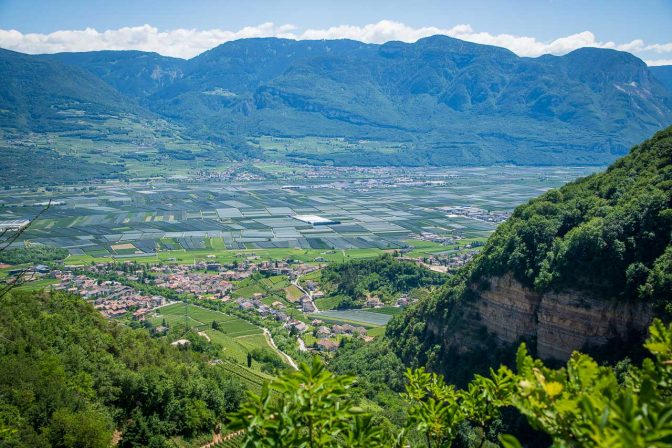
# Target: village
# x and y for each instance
(111, 298)
(208, 279)
(255, 287)
(132, 291)
(477, 213)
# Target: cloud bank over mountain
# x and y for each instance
(187, 43)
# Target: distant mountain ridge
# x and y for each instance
(664, 74)
(42, 95)
(134, 73)
(446, 101)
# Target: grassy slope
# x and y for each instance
(236, 336)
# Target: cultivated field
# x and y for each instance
(364, 317)
(377, 210)
(236, 336)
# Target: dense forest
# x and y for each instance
(384, 276)
(607, 236)
(32, 254)
(69, 378)
(608, 233)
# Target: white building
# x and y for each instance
(14, 225)
(315, 220)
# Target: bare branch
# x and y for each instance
(21, 277)
(5, 244)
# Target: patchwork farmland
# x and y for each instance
(368, 212)
(236, 336)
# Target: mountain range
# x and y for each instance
(438, 101)
(664, 74)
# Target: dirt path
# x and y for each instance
(309, 294)
(205, 335)
(218, 438)
(271, 342)
(302, 345)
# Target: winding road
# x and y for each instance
(271, 342)
(309, 294)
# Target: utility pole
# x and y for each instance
(186, 315)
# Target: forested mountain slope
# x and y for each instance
(47, 96)
(133, 73)
(69, 378)
(579, 267)
(56, 115)
(438, 101)
(452, 102)
(664, 74)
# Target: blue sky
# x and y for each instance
(613, 24)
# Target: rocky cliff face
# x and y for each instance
(559, 322)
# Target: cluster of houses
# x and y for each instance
(477, 213)
(236, 173)
(275, 310)
(250, 264)
(328, 335)
(449, 261)
(458, 260)
(307, 300)
(291, 268)
(445, 261)
(186, 281)
(207, 280)
(238, 271)
(111, 298)
(446, 240)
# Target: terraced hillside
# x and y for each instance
(236, 337)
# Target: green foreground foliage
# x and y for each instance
(580, 405)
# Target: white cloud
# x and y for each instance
(655, 62)
(187, 43)
(183, 43)
(660, 48)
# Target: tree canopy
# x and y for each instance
(32, 254)
(609, 233)
(608, 236)
(69, 378)
(384, 276)
(581, 404)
